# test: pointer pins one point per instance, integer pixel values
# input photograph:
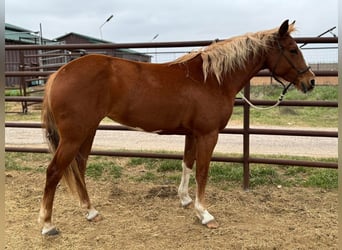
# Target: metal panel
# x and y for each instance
(246, 131)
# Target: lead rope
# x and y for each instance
(280, 99)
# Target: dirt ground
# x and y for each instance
(138, 215)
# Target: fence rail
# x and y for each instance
(150, 45)
(246, 159)
(47, 73)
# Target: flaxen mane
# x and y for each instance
(228, 55)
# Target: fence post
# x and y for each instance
(22, 81)
(246, 126)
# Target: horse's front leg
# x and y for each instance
(187, 165)
(205, 145)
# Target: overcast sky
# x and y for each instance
(174, 20)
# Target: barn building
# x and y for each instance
(75, 38)
(17, 60)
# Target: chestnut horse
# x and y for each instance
(194, 94)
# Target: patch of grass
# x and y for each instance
(147, 177)
(98, 169)
(115, 171)
(264, 175)
(322, 178)
(272, 92)
(294, 116)
(27, 161)
(310, 177)
(12, 92)
(159, 171)
(230, 174)
(169, 166)
(136, 161)
(225, 172)
(95, 170)
(293, 176)
(160, 165)
(147, 162)
(165, 172)
(12, 165)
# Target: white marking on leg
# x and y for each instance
(48, 227)
(92, 213)
(202, 213)
(183, 190)
(41, 216)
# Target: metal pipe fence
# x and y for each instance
(246, 131)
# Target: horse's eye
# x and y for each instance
(293, 51)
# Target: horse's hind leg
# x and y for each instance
(81, 158)
(64, 154)
(187, 165)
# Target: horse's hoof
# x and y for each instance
(97, 218)
(51, 232)
(212, 224)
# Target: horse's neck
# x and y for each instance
(237, 79)
(233, 81)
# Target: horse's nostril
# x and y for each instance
(312, 82)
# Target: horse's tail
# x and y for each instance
(48, 121)
(72, 173)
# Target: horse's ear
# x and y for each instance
(284, 28)
(292, 27)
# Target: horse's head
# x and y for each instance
(285, 60)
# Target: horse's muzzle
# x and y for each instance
(312, 82)
(307, 86)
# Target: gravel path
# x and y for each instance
(128, 140)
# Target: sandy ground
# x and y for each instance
(147, 216)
